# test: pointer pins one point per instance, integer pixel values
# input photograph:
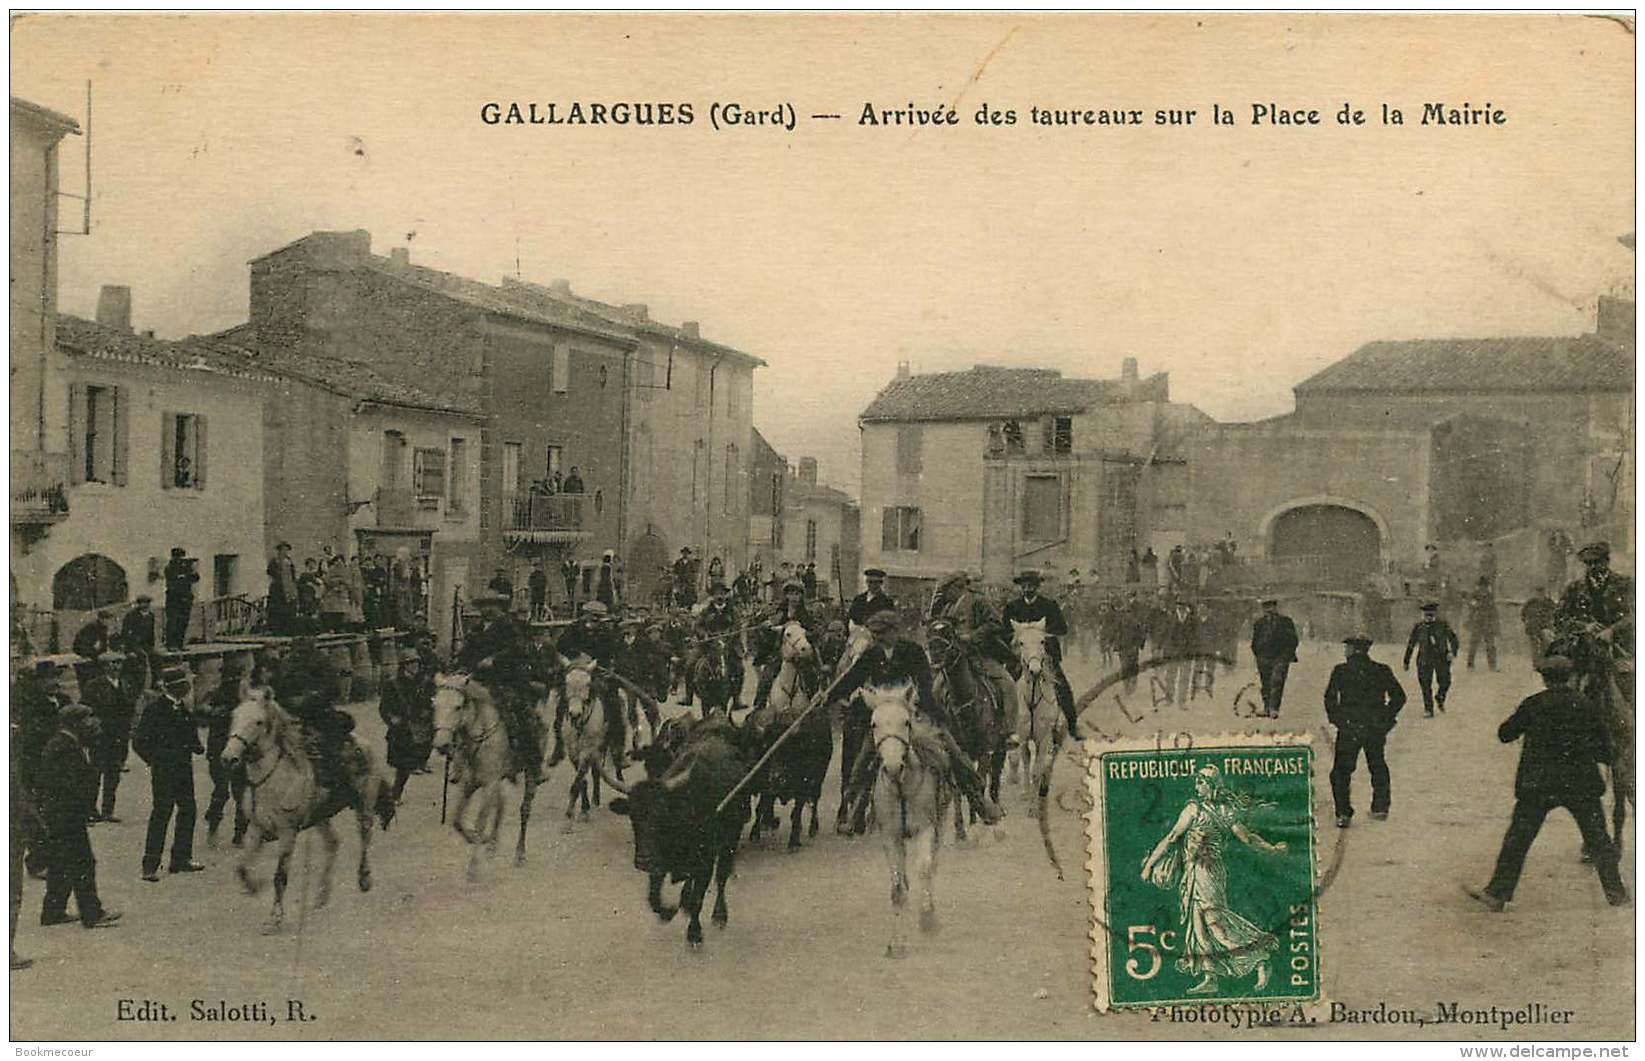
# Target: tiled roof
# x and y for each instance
(1566, 363)
(620, 316)
(349, 378)
(988, 393)
(500, 300)
(78, 336)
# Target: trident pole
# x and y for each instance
(820, 698)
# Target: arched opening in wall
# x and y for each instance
(87, 583)
(1325, 543)
(647, 557)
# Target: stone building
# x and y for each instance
(767, 497)
(1516, 442)
(548, 381)
(690, 437)
(994, 469)
(821, 525)
(39, 458)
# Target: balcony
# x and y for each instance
(545, 517)
(39, 487)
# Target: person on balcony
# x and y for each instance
(282, 590)
(181, 575)
(573, 482)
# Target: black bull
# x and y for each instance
(677, 833)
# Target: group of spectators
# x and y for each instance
(333, 593)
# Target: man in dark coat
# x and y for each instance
(1595, 616)
(66, 801)
(282, 590)
(181, 575)
(167, 739)
(36, 700)
(1558, 767)
(1362, 700)
(407, 707)
(501, 585)
(1274, 647)
(307, 686)
(137, 642)
(685, 579)
(717, 633)
(1181, 641)
(499, 655)
(871, 600)
(768, 657)
(1130, 622)
(537, 591)
(108, 702)
(226, 781)
(1032, 607)
(1434, 643)
(888, 661)
(590, 638)
(93, 638)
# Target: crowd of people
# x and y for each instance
(334, 593)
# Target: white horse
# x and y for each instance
(285, 798)
(1039, 720)
(912, 794)
(583, 735)
(485, 759)
(795, 774)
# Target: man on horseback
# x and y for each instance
(768, 660)
(500, 656)
(1031, 607)
(716, 630)
(981, 635)
(871, 600)
(1598, 606)
(889, 660)
(306, 685)
(589, 638)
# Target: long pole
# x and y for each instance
(445, 788)
(820, 698)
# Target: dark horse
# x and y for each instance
(710, 680)
(976, 718)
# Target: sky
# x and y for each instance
(1240, 259)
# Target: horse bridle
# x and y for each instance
(464, 714)
(247, 748)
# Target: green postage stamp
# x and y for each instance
(1202, 863)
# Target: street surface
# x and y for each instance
(566, 948)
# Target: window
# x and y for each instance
(696, 470)
(555, 461)
(394, 445)
(428, 475)
(183, 452)
(1012, 434)
(511, 470)
(645, 377)
(604, 375)
(908, 449)
(731, 477)
(599, 502)
(456, 498)
(1059, 434)
(776, 493)
(1042, 508)
(777, 531)
(702, 385)
(560, 373)
(900, 530)
(224, 567)
(810, 541)
(731, 397)
(97, 434)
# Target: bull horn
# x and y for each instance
(618, 785)
(673, 784)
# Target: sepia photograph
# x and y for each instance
(838, 526)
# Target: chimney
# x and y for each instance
(336, 250)
(400, 257)
(637, 309)
(808, 471)
(1616, 318)
(560, 287)
(692, 328)
(902, 369)
(1128, 370)
(114, 307)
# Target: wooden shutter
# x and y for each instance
(888, 530)
(118, 424)
(77, 432)
(199, 453)
(168, 450)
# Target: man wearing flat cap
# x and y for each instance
(871, 600)
(1435, 644)
(1362, 700)
(1274, 647)
(137, 642)
(1031, 607)
(1594, 621)
(1564, 743)
(168, 740)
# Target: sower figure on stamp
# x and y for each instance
(1362, 700)
(888, 661)
(1274, 647)
(1434, 643)
(1558, 767)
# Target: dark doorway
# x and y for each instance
(87, 583)
(1326, 543)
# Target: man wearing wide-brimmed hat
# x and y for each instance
(1564, 742)
(168, 740)
(1362, 700)
(499, 655)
